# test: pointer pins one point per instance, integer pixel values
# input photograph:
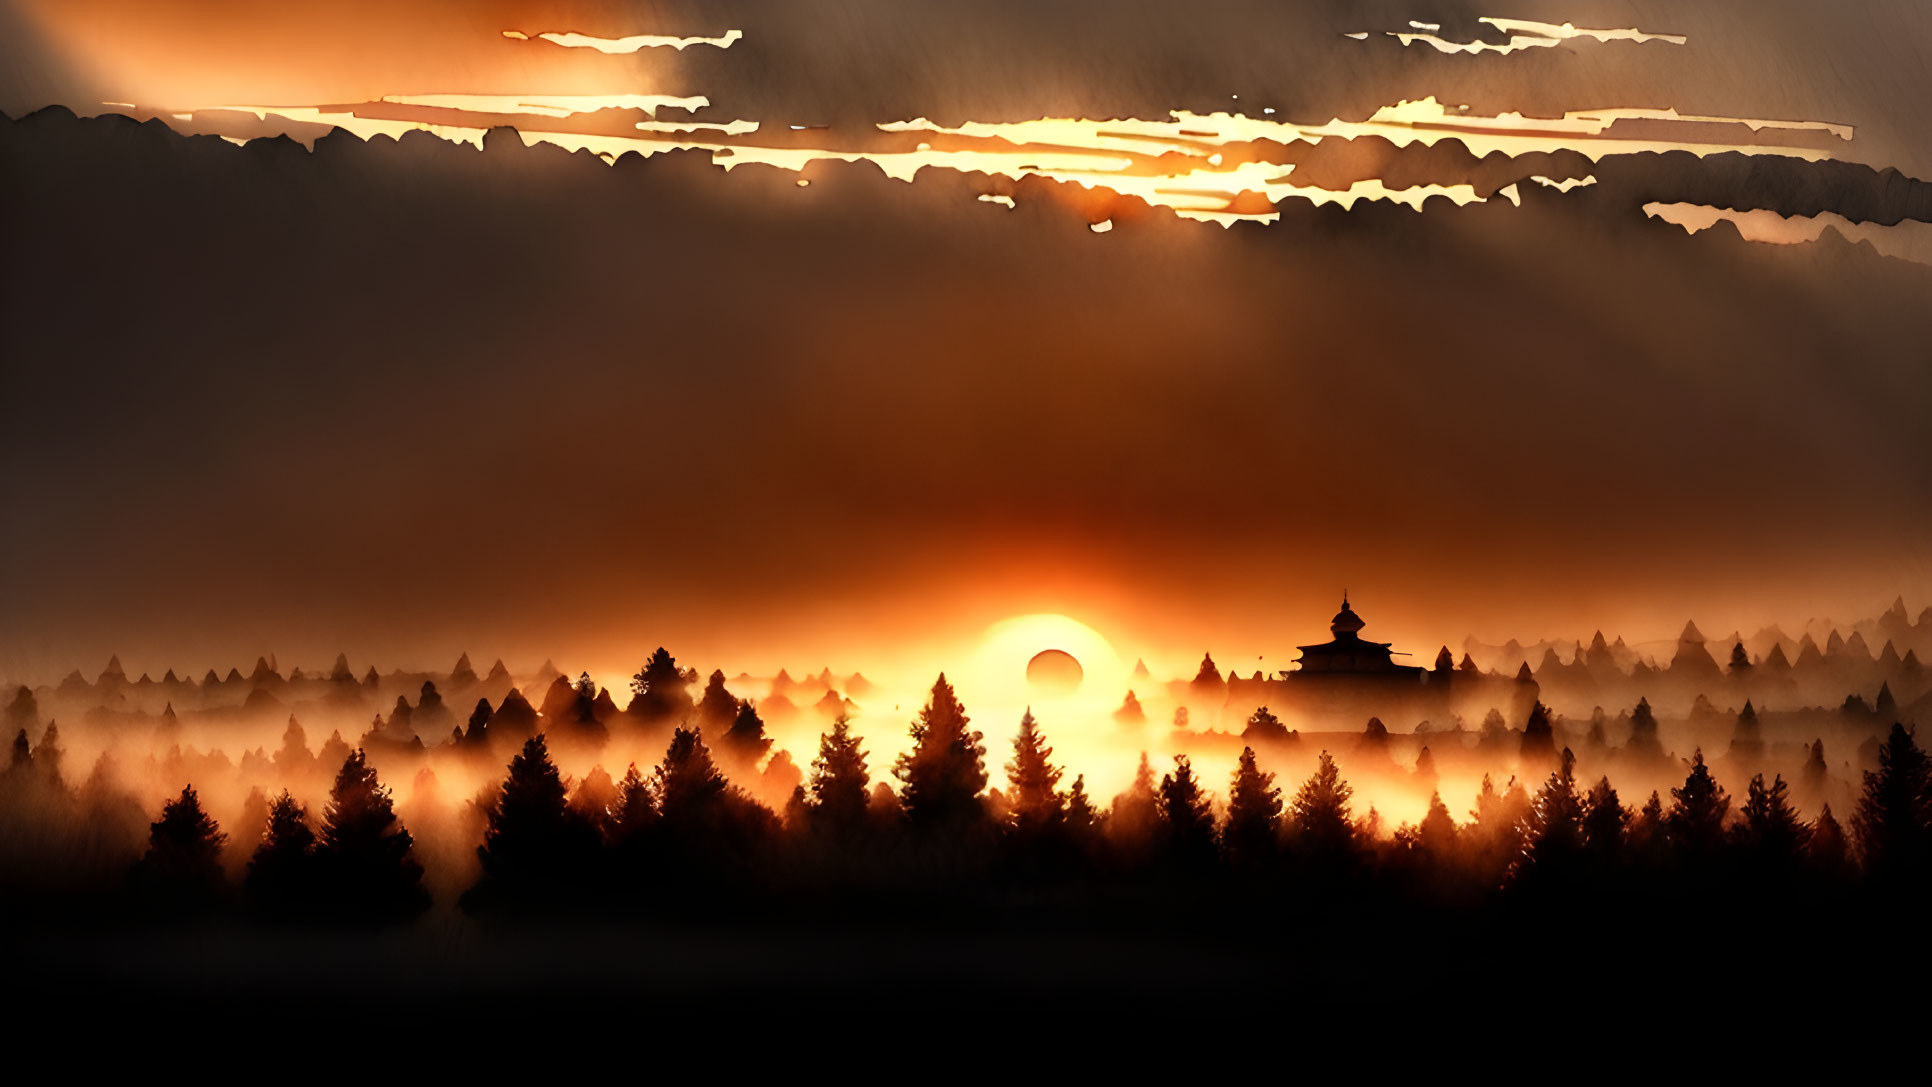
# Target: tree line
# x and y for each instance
(683, 827)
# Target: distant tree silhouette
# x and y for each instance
(294, 757)
(365, 860)
(1597, 738)
(1187, 817)
(1495, 733)
(1136, 811)
(633, 815)
(839, 780)
(1643, 743)
(1436, 834)
(1606, 823)
(514, 721)
(477, 730)
(1816, 772)
(1769, 833)
(1425, 766)
(48, 756)
(281, 880)
(945, 771)
(1253, 830)
(659, 690)
(1893, 822)
(1539, 738)
(250, 824)
(1264, 728)
(1747, 740)
(1319, 820)
(535, 848)
(183, 863)
(1698, 810)
(24, 710)
(333, 750)
(717, 708)
(22, 758)
(1885, 705)
(745, 743)
(1035, 804)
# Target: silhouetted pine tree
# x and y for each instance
(1187, 817)
(1769, 833)
(1253, 832)
(22, 759)
(1649, 838)
(1436, 834)
(24, 710)
(183, 863)
(1425, 767)
(703, 819)
(1539, 738)
(1319, 821)
(595, 799)
(48, 755)
(477, 730)
(1083, 821)
(1643, 744)
(535, 848)
(281, 879)
(633, 815)
(716, 708)
(1893, 823)
(1136, 811)
(367, 868)
(1740, 660)
(1597, 738)
(1747, 739)
(1828, 853)
(1698, 810)
(1553, 829)
(659, 690)
(1495, 733)
(745, 743)
(945, 771)
(1264, 728)
(1606, 823)
(294, 757)
(1035, 804)
(248, 827)
(1816, 773)
(840, 780)
(688, 785)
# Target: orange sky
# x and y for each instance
(416, 402)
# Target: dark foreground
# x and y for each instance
(1613, 980)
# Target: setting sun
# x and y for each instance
(998, 675)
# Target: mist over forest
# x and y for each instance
(660, 525)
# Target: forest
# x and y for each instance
(951, 813)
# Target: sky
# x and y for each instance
(409, 398)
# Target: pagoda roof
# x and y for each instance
(1350, 644)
